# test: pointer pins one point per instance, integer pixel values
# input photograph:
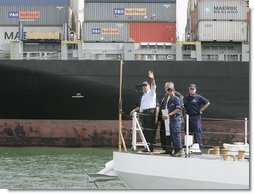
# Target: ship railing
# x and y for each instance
(5, 55)
(40, 55)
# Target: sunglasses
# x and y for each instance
(169, 90)
(144, 85)
(192, 88)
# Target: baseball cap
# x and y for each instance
(145, 83)
(193, 86)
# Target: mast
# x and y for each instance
(120, 137)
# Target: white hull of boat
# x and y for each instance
(139, 171)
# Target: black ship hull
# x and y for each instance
(89, 90)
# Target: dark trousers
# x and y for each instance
(175, 131)
(196, 129)
(149, 126)
(165, 140)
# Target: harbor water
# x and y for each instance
(51, 168)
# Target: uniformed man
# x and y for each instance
(194, 105)
(149, 112)
(175, 115)
(166, 139)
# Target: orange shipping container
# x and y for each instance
(153, 32)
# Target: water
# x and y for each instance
(39, 168)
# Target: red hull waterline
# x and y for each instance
(95, 133)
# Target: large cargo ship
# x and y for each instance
(75, 103)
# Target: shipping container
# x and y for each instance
(153, 32)
(43, 36)
(36, 2)
(74, 4)
(222, 10)
(35, 15)
(130, 1)
(123, 12)
(222, 31)
(8, 33)
(105, 32)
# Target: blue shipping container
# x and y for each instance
(34, 2)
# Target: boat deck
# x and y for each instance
(199, 156)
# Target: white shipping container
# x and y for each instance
(222, 31)
(8, 33)
(147, 12)
(12, 15)
(222, 10)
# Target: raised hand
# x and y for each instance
(150, 74)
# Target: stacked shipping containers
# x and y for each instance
(129, 21)
(218, 20)
(44, 16)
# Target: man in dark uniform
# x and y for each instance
(166, 139)
(194, 105)
(149, 111)
(175, 115)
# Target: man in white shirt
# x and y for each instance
(149, 111)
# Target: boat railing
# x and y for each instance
(216, 132)
(188, 140)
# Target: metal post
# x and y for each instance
(199, 52)
(187, 135)
(134, 131)
(245, 130)
(179, 53)
(120, 137)
(120, 108)
(65, 32)
(64, 51)
(80, 51)
(16, 50)
(21, 32)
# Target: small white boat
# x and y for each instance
(139, 171)
(157, 171)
